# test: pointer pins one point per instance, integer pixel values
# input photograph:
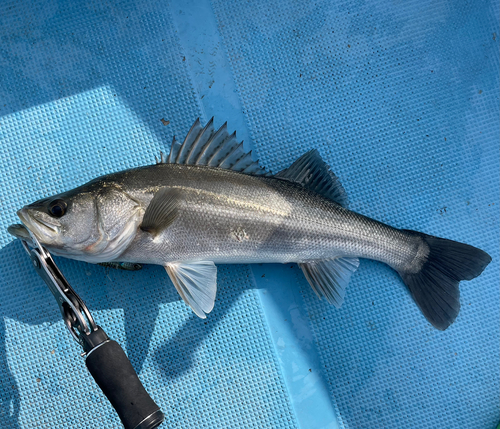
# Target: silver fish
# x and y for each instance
(209, 203)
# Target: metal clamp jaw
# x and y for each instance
(105, 359)
(75, 313)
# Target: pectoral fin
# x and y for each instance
(162, 211)
(196, 283)
(330, 278)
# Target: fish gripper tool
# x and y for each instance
(105, 359)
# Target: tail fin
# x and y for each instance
(435, 286)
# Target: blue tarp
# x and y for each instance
(400, 98)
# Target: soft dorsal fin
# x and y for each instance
(313, 173)
(205, 146)
(330, 278)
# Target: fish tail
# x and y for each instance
(433, 276)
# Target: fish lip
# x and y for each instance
(36, 226)
(19, 231)
(24, 219)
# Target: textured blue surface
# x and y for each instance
(400, 98)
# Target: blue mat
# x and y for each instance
(400, 98)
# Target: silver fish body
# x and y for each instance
(210, 203)
(229, 217)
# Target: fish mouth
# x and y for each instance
(19, 231)
(40, 228)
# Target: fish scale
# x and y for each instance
(279, 217)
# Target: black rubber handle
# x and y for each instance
(113, 372)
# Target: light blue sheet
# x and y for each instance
(400, 98)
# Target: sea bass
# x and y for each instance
(209, 203)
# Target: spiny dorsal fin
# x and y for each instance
(174, 150)
(205, 146)
(193, 133)
(313, 173)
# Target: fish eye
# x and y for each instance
(57, 208)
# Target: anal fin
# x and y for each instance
(329, 278)
(196, 283)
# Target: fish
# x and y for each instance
(208, 202)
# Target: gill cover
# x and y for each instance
(118, 217)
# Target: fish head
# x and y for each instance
(61, 221)
(93, 223)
